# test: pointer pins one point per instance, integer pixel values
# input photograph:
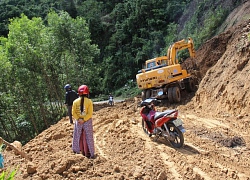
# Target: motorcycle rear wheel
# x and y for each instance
(144, 127)
(178, 140)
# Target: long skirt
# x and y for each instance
(83, 140)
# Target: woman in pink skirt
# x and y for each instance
(82, 111)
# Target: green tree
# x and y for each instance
(73, 48)
(42, 59)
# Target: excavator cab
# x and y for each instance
(156, 62)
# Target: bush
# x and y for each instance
(8, 176)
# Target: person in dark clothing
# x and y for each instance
(70, 96)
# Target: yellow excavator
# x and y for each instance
(163, 77)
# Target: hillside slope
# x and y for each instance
(225, 86)
(216, 119)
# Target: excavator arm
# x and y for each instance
(177, 46)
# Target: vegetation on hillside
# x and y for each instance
(38, 60)
(46, 44)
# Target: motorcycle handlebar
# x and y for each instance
(149, 101)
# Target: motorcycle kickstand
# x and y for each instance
(156, 138)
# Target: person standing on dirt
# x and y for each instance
(70, 96)
(82, 111)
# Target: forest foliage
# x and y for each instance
(46, 44)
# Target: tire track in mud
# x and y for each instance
(209, 123)
(200, 157)
(223, 160)
(102, 127)
(171, 166)
(120, 147)
(175, 162)
(117, 129)
(100, 142)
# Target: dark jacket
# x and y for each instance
(70, 96)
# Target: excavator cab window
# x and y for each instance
(163, 62)
(151, 64)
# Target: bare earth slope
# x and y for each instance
(216, 119)
(225, 86)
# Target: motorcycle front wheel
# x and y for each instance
(144, 127)
(176, 137)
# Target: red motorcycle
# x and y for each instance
(162, 124)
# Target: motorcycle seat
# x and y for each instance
(161, 114)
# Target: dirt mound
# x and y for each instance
(225, 85)
(216, 122)
(212, 50)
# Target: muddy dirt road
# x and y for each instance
(215, 148)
